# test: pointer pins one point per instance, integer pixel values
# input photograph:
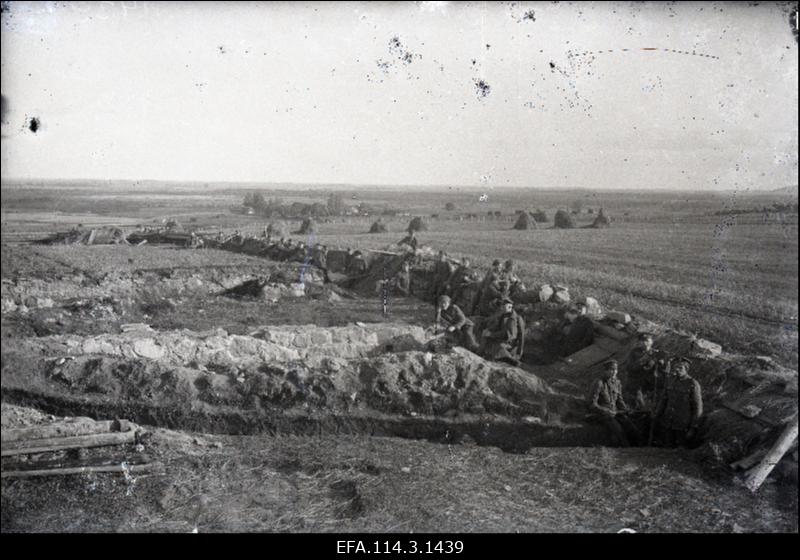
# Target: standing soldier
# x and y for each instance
(410, 240)
(504, 337)
(357, 266)
(457, 323)
(442, 272)
(646, 373)
(320, 260)
(608, 406)
(402, 282)
(489, 289)
(681, 406)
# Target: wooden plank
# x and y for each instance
(608, 344)
(759, 473)
(64, 429)
(587, 357)
(58, 444)
(115, 469)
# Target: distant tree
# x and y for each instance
(336, 205)
(449, 206)
(259, 203)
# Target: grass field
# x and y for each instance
(668, 257)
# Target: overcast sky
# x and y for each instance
(422, 93)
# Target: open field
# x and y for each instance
(668, 256)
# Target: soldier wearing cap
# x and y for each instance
(357, 265)
(443, 270)
(607, 406)
(489, 289)
(577, 330)
(646, 370)
(681, 406)
(504, 337)
(457, 323)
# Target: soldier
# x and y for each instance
(681, 406)
(607, 406)
(442, 272)
(402, 282)
(504, 336)
(646, 373)
(461, 278)
(457, 323)
(577, 330)
(357, 266)
(320, 260)
(489, 289)
(410, 240)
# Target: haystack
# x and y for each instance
(378, 227)
(308, 226)
(601, 221)
(539, 215)
(563, 220)
(277, 229)
(416, 224)
(525, 221)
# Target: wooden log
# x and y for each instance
(756, 476)
(9, 464)
(58, 444)
(116, 469)
(64, 429)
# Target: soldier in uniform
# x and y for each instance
(680, 407)
(646, 370)
(357, 266)
(320, 260)
(442, 272)
(504, 335)
(461, 278)
(489, 289)
(410, 240)
(608, 407)
(457, 323)
(402, 282)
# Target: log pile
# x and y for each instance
(40, 450)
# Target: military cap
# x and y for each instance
(682, 360)
(495, 262)
(645, 335)
(508, 300)
(443, 299)
(608, 363)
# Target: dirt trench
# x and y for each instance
(377, 380)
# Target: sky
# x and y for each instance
(616, 95)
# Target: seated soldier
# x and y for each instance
(504, 335)
(457, 324)
(607, 406)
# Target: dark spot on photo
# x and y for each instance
(34, 124)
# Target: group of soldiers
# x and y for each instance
(667, 400)
(478, 313)
(501, 329)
